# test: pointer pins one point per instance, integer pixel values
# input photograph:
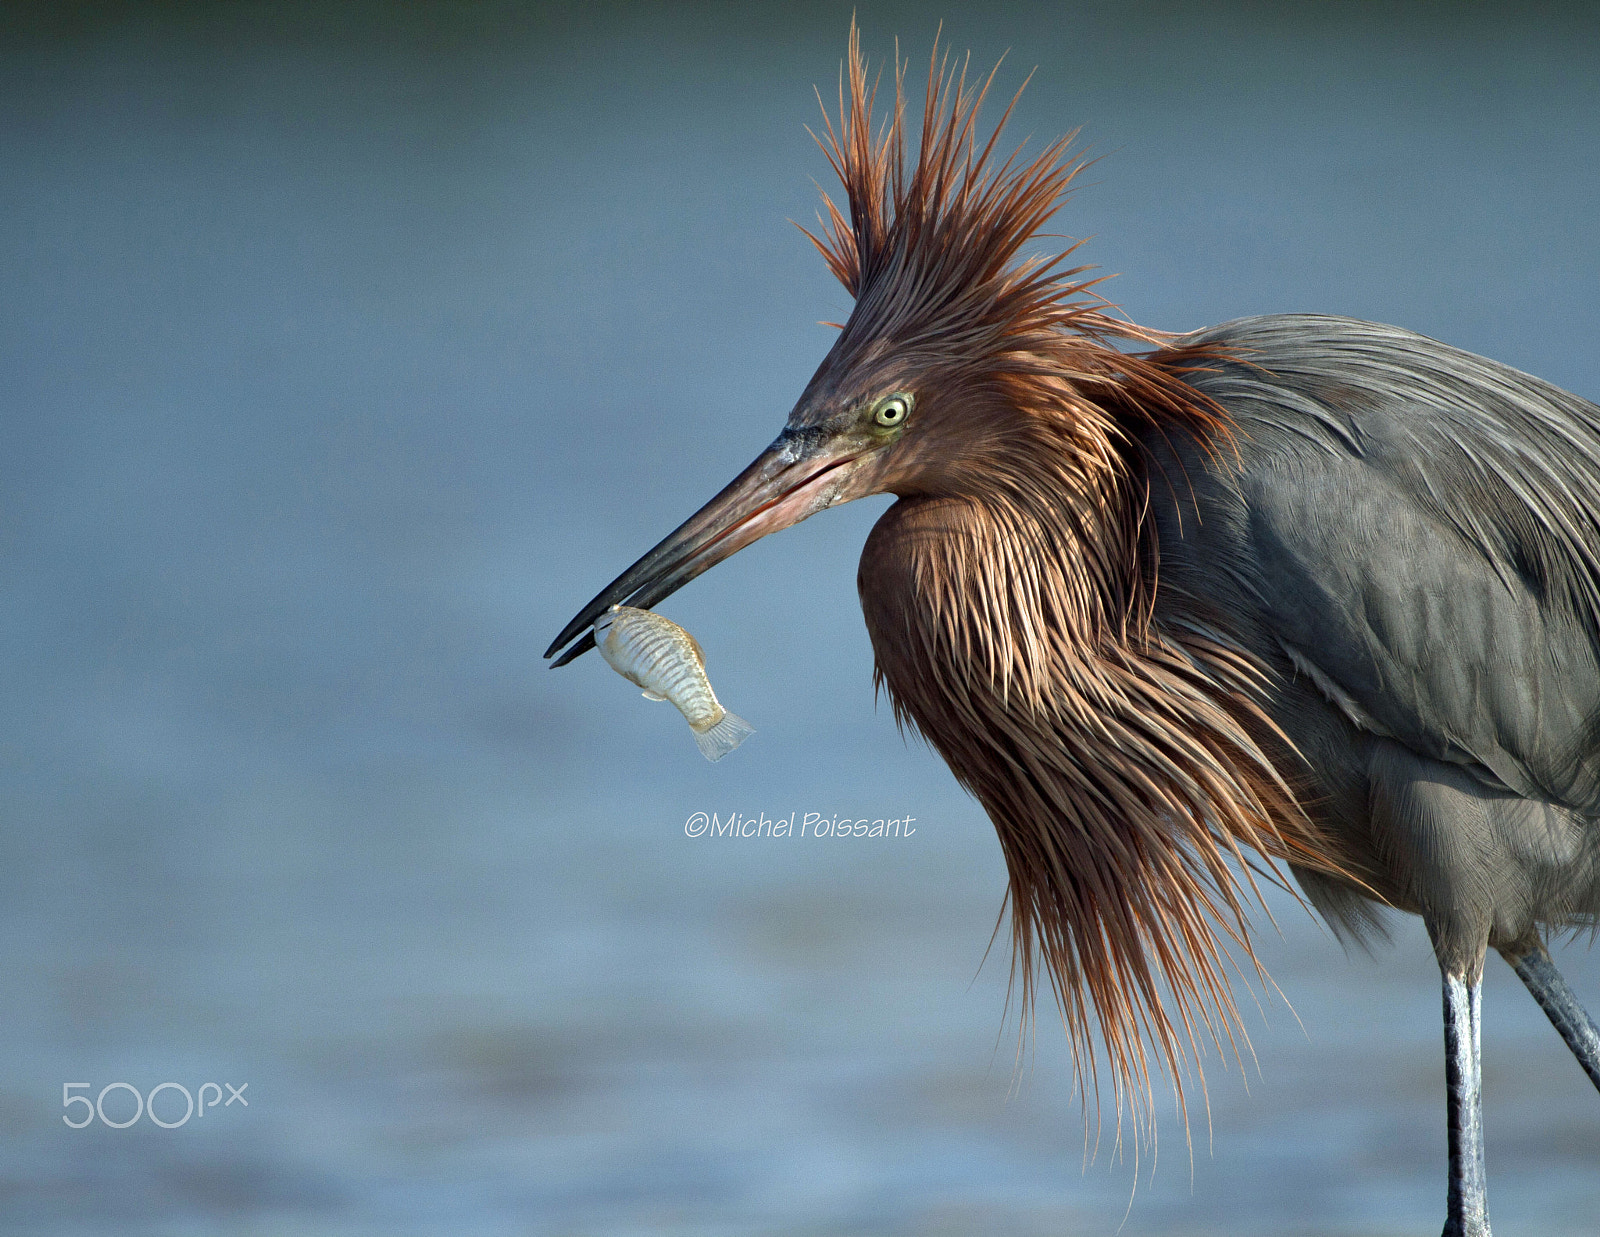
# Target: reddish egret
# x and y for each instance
(1299, 587)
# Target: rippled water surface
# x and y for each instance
(343, 355)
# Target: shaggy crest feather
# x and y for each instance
(1129, 770)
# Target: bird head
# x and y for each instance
(959, 357)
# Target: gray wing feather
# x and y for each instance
(1418, 530)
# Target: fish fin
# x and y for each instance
(650, 695)
(727, 734)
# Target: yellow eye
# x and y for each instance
(893, 411)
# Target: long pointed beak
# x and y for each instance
(798, 475)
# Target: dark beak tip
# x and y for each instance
(583, 645)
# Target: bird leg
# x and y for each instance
(1468, 1214)
(1534, 968)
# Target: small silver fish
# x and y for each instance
(655, 654)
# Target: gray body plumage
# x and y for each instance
(1409, 536)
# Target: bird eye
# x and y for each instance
(893, 411)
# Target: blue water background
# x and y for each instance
(345, 351)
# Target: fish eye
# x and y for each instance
(892, 411)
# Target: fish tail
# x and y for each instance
(717, 741)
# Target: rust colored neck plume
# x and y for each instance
(1010, 596)
(1122, 764)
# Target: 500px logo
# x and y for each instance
(146, 1105)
